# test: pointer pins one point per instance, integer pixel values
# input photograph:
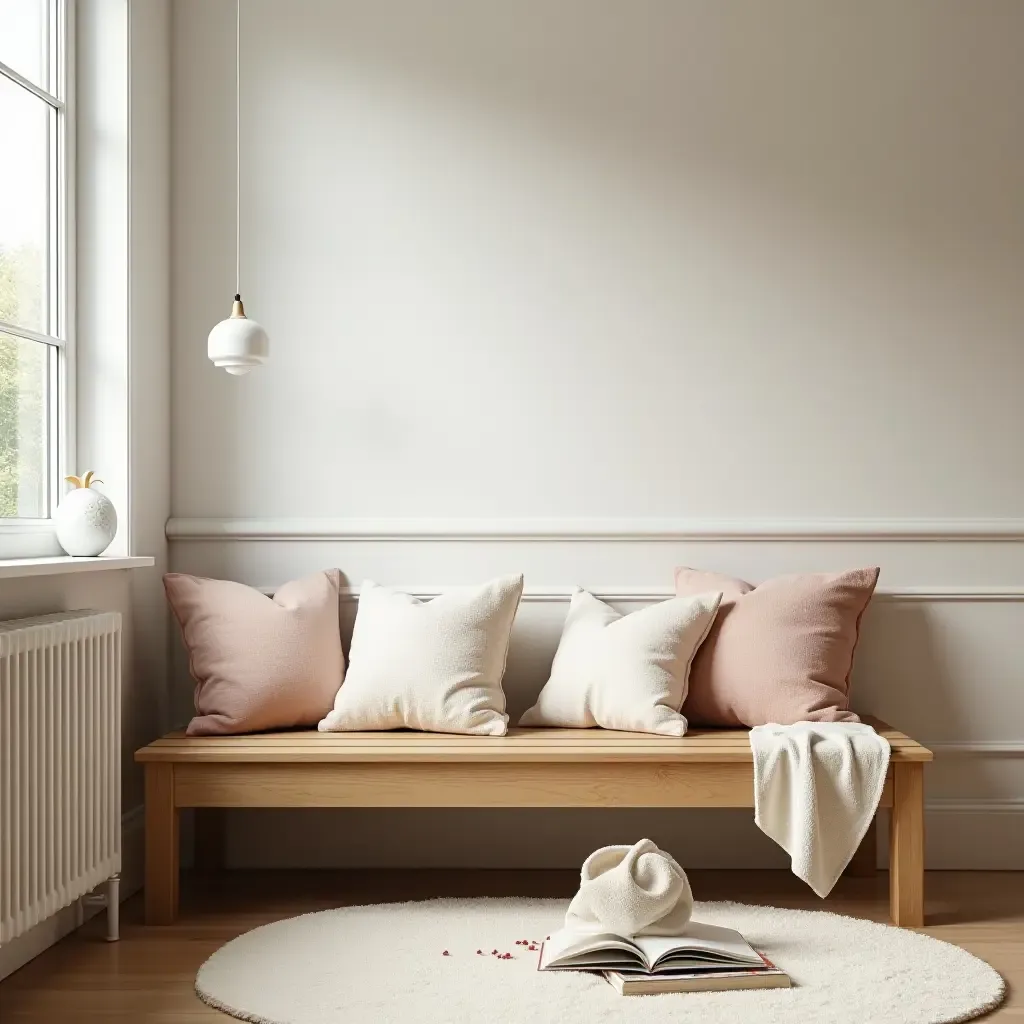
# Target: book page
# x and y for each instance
(568, 948)
(700, 943)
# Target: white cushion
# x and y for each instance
(624, 671)
(434, 665)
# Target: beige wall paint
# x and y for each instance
(665, 258)
(123, 255)
(149, 332)
(611, 262)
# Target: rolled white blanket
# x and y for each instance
(631, 890)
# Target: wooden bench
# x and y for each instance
(526, 768)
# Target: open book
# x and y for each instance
(703, 947)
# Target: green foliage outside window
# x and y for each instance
(23, 444)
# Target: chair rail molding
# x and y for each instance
(976, 748)
(643, 595)
(209, 528)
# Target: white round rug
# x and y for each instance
(387, 963)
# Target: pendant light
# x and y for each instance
(238, 343)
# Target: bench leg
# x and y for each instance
(162, 859)
(209, 839)
(906, 846)
(864, 863)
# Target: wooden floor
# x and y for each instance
(147, 977)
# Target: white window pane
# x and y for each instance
(24, 38)
(24, 191)
(24, 432)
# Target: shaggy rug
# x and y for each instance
(387, 963)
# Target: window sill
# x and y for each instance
(13, 568)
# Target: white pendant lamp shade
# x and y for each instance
(238, 343)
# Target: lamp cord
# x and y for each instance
(238, 143)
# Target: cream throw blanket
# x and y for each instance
(816, 789)
(631, 890)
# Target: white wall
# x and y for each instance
(149, 331)
(123, 242)
(597, 263)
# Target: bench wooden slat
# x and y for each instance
(520, 745)
(355, 755)
(402, 741)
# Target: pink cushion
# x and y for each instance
(779, 652)
(259, 662)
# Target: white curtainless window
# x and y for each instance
(36, 269)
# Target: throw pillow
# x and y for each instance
(431, 665)
(779, 652)
(624, 671)
(258, 662)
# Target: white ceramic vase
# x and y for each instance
(85, 520)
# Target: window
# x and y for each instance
(35, 249)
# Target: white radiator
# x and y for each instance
(60, 765)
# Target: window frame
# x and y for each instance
(35, 537)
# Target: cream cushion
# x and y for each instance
(624, 671)
(431, 665)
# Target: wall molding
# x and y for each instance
(1012, 805)
(976, 748)
(640, 595)
(586, 529)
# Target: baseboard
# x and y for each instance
(47, 933)
(975, 835)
